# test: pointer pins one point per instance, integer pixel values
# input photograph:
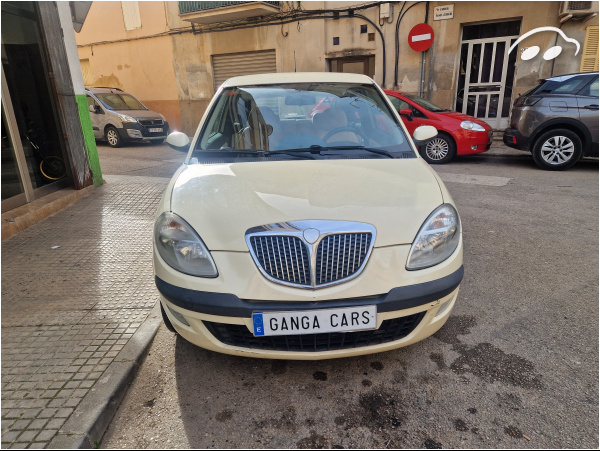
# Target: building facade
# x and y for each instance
(46, 126)
(174, 55)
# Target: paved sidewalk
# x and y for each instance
(69, 314)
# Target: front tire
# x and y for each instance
(112, 137)
(557, 149)
(439, 150)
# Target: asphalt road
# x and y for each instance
(516, 366)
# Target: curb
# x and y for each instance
(86, 426)
(20, 218)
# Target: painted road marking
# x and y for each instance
(486, 180)
(421, 37)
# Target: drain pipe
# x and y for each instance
(422, 71)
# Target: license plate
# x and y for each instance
(303, 322)
(156, 130)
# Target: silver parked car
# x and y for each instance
(118, 117)
(557, 121)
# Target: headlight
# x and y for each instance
(180, 246)
(437, 239)
(469, 125)
(126, 118)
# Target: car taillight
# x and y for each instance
(526, 101)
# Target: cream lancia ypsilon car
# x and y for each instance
(295, 231)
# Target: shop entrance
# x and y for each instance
(33, 156)
(486, 72)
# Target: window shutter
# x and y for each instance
(131, 15)
(589, 58)
(86, 71)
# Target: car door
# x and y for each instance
(587, 102)
(96, 117)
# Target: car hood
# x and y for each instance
(222, 201)
(140, 114)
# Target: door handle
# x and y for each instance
(591, 107)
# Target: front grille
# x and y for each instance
(390, 330)
(284, 258)
(287, 258)
(151, 122)
(340, 256)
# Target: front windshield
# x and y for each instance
(425, 103)
(120, 102)
(282, 117)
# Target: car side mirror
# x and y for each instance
(406, 112)
(423, 134)
(178, 141)
(95, 109)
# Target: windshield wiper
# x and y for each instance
(260, 153)
(315, 148)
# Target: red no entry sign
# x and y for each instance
(420, 37)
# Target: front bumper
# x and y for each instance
(222, 322)
(471, 142)
(134, 131)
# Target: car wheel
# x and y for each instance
(557, 149)
(166, 320)
(112, 137)
(439, 150)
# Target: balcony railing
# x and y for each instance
(190, 7)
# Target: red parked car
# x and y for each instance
(458, 134)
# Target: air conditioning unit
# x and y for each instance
(578, 8)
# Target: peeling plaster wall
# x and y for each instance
(302, 50)
(174, 74)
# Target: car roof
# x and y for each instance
(297, 77)
(567, 76)
(102, 89)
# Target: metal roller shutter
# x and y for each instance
(236, 64)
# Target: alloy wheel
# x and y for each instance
(557, 150)
(437, 149)
(112, 137)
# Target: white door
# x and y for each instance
(489, 76)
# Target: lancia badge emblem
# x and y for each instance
(311, 235)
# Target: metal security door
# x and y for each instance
(489, 75)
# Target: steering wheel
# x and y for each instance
(346, 128)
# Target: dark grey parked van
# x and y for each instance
(557, 121)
